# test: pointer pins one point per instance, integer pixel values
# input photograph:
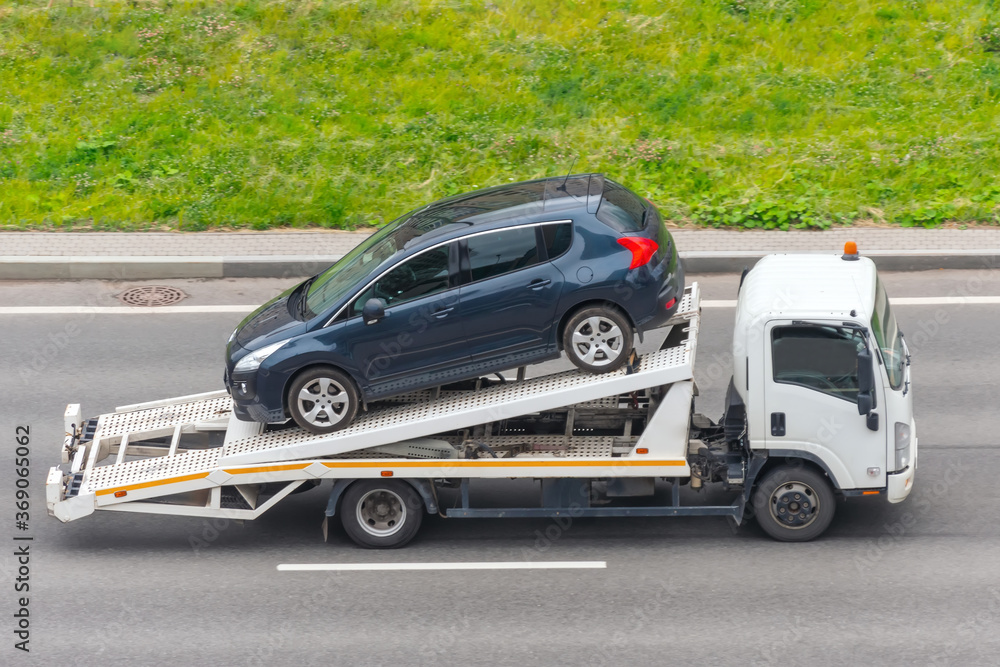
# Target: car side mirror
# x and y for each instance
(866, 382)
(373, 311)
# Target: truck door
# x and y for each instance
(811, 400)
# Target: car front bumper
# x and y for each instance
(247, 405)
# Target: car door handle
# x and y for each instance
(442, 313)
(539, 283)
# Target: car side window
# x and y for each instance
(419, 276)
(821, 358)
(505, 250)
(557, 238)
(621, 209)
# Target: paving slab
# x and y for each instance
(32, 255)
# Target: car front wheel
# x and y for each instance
(322, 400)
(598, 339)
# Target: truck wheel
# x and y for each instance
(322, 400)
(381, 515)
(794, 504)
(598, 339)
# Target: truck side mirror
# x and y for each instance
(373, 311)
(866, 382)
(865, 403)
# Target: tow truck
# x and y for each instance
(818, 409)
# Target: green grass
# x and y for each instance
(755, 113)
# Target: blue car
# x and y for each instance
(464, 287)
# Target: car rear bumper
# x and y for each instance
(667, 301)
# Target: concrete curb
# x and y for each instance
(156, 268)
(300, 266)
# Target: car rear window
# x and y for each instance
(557, 238)
(621, 209)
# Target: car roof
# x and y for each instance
(503, 206)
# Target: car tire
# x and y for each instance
(322, 400)
(598, 339)
(794, 503)
(380, 514)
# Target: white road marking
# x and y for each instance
(181, 310)
(501, 565)
(898, 301)
(944, 300)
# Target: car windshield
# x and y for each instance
(351, 270)
(333, 284)
(887, 335)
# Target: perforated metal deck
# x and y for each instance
(150, 470)
(162, 418)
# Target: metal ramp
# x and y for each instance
(244, 443)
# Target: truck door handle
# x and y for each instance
(777, 423)
(442, 313)
(539, 283)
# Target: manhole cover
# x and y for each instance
(151, 295)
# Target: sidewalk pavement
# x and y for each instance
(157, 255)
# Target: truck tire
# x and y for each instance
(598, 339)
(322, 399)
(381, 514)
(794, 503)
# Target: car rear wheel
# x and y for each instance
(598, 339)
(322, 400)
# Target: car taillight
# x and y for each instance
(642, 249)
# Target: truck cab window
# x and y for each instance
(888, 337)
(824, 359)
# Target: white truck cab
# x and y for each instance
(824, 372)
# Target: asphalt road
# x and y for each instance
(915, 583)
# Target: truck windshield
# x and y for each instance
(890, 341)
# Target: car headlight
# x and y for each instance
(902, 446)
(252, 361)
